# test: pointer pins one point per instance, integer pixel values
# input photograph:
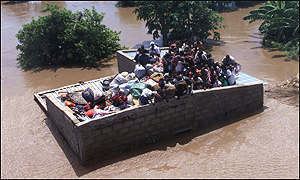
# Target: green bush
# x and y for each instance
(64, 38)
(280, 25)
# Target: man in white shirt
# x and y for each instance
(231, 77)
(154, 50)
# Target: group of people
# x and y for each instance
(191, 63)
(181, 70)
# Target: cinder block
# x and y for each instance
(106, 130)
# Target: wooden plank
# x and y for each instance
(95, 87)
(97, 84)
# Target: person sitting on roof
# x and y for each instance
(173, 49)
(141, 57)
(154, 50)
(229, 60)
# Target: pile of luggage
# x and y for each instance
(177, 73)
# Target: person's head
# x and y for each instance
(227, 56)
(152, 44)
(208, 55)
(178, 77)
(173, 46)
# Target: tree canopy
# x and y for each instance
(65, 38)
(180, 20)
(280, 23)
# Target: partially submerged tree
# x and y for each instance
(178, 19)
(65, 38)
(280, 23)
(194, 23)
(159, 17)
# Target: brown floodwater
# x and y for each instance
(264, 145)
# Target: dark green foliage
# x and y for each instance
(176, 20)
(247, 3)
(64, 38)
(197, 22)
(221, 6)
(126, 3)
(280, 25)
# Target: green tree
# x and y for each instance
(63, 38)
(194, 23)
(280, 23)
(178, 19)
(159, 16)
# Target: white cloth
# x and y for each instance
(231, 77)
(155, 50)
(149, 66)
(147, 92)
(118, 80)
(130, 76)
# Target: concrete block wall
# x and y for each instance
(124, 63)
(64, 120)
(135, 127)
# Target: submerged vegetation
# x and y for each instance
(126, 3)
(221, 6)
(214, 5)
(280, 25)
(176, 20)
(64, 38)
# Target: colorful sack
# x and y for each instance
(139, 71)
(88, 95)
(181, 87)
(153, 85)
(167, 92)
(76, 97)
(157, 76)
(119, 99)
(99, 100)
(137, 89)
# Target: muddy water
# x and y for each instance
(265, 145)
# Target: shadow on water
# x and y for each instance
(13, 2)
(103, 63)
(182, 138)
(212, 42)
(279, 56)
(257, 47)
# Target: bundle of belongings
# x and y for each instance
(178, 72)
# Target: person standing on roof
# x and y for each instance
(154, 49)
